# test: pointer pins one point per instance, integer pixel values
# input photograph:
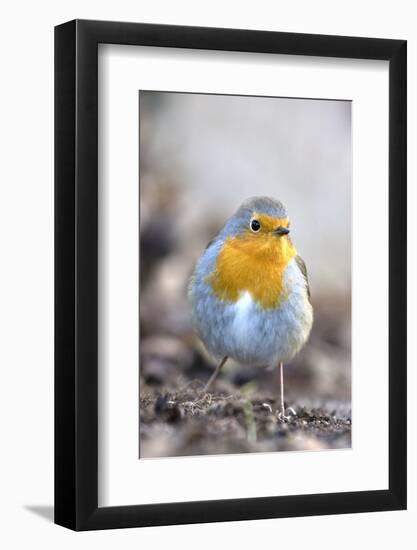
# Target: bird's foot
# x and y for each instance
(286, 415)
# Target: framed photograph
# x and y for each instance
(230, 275)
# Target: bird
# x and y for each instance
(249, 292)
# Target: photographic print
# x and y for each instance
(214, 210)
(245, 274)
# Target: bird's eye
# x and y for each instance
(255, 226)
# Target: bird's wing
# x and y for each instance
(210, 243)
(303, 269)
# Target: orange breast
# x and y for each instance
(255, 265)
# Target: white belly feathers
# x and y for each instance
(264, 337)
(241, 326)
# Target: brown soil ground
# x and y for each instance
(229, 419)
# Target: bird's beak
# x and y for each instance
(281, 231)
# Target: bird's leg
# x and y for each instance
(281, 414)
(281, 376)
(215, 373)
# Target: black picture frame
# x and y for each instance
(76, 272)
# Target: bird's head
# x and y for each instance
(261, 221)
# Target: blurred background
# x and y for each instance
(200, 157)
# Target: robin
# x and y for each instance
(249, 292)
